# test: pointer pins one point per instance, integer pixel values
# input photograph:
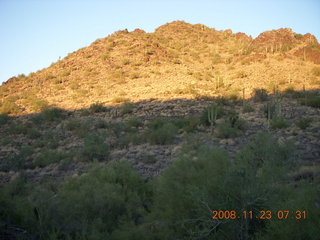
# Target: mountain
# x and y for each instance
(178, 60)
(184, 133)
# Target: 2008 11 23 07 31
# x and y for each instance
(263, 214)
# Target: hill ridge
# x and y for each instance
(178, 59)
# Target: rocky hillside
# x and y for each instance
(178, 60)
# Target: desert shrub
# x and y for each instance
(119, 196)
(73, 124)
(129, 138)
(217, 109)
(264, 149)
(78, 127)
(97, 107)
(37, 119)
(290, 92)
(260, 95)
(49, 139)
(161, 131)
(316, 71)
(4, 118)
(76, 209)
(224, 130)
(134, 123)
(304, 123)
(95, 148)
(115, 202)
(306, 198)
(208, 181)
(9, 107)
(197, 188)
(17, 161)
(231, 126)
(13, 207)
(18, 128)
(233, 97)
(311, 101)
(222, 101)
(126, 108)
(100, 123)
(188, 124)
(247, 108)
(47, 157)
(268, 161)
(117, 128)
(39, 104)
(52, 114)
(278, 122)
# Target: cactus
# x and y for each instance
(212, 116)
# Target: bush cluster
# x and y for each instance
(161, 131)
(260, 95)
(115, 202)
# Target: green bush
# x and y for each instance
(73, 124)
(311, 101)
(260, 95)
(48, 157)
(100, 123)
(193, 186)
(232, 126)
(81, 129)
(39, 104)
(263, 149)
(126, 108)
(9, 107)
(115, 202)
(92, 206)
(161, 132)
(95, 148)
(278, 122)
(291, 93)
(187, 124)
(4, 118)
(18, 128)
(118, 128)
(224, 130)
(134, 123)
(304, 123)
(17, 161)
(50, 115)
(97, 107)
(126, 139)
(48, 139)
(187, 192)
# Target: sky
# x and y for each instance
(36, 33)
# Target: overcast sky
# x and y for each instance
(35, 33)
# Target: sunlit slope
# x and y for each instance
(178, 60)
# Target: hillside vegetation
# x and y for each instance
(183, 133)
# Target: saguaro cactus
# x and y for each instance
(212, 116)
